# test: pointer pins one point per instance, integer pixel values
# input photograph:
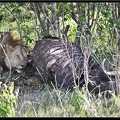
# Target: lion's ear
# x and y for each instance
(9, 48)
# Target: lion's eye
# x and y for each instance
(18, 56)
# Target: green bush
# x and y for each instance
(79, 103)
(8, 100)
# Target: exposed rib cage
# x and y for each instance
(59, 61)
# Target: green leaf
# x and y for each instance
(82, 19)
(68, 16)
(16, 10)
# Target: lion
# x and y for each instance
(12, 51)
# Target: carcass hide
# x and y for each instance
(59, 62)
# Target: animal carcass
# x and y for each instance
(59, 61)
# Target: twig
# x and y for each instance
(44, 8)
(36, 16)
(6, 81)
(99, 9)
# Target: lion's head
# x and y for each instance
(16, 57)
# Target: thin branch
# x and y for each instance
(73, 13)
(38, 6)
(66, 30)
(88, 14)
(79, 28)
(93, 14)
(74, 17)
(99, 9)
(2, 47)
(55, 21)
(36, 16)
(44, 8)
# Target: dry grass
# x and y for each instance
(47, 102)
